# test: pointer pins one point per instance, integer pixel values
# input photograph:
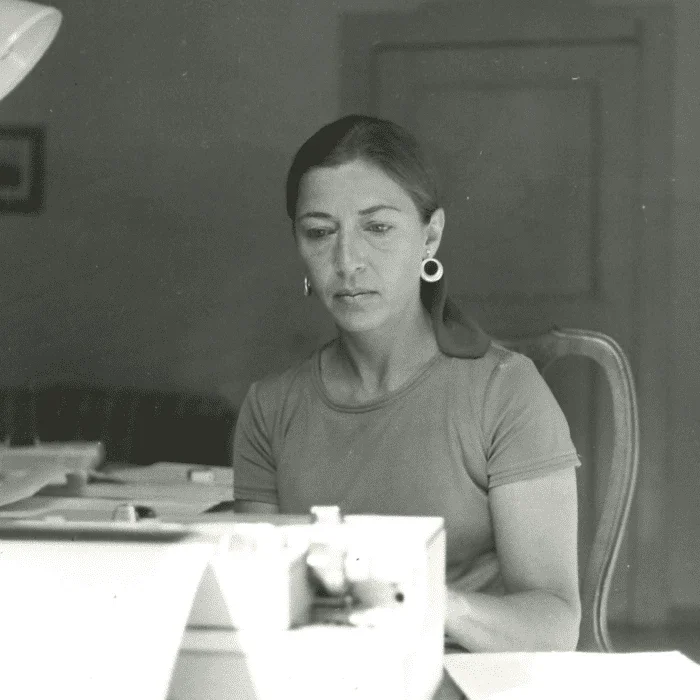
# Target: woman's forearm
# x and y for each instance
(527, 621)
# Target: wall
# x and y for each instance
(163, 256)
(684, 379)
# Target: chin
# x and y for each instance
(355, 326)
(357, 323)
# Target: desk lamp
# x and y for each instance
(26, 31)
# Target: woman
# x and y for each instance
(411, 409)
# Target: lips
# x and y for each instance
(352, 293)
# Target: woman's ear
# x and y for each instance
(433, 230)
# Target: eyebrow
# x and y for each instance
(362, 212)
(314, 215)
(378, 207)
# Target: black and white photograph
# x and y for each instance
(349, 349)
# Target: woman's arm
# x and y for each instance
(254, 468)
(535, 526)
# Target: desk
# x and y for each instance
(61, 484)
(573, 675)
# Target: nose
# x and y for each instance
(349, 257)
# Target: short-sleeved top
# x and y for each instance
(434, 446)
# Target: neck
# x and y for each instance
(373, 363)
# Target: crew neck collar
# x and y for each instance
(405, 388)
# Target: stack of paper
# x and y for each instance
(575, 676)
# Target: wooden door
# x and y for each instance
(535, 125)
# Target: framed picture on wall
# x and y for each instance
(21, 169)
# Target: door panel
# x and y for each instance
(539, 224)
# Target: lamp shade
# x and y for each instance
(26, 30)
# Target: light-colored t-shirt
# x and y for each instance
(435, 446)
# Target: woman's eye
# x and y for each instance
(318, 232)
(377, 227)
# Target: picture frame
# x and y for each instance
(21, 169)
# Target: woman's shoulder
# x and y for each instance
(489, 384)
(498, 361)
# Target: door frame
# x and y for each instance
(363, 35)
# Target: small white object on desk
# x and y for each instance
(575, 676)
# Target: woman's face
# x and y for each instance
(362, 241)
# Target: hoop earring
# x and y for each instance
(307, 287)
(431, 269)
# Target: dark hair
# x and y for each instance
(380, 142)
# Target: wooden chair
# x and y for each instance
(543, 350)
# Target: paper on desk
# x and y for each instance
(86, 620)
(575, 675)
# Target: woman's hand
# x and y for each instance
(535, 528)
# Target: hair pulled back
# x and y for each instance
(378, 142)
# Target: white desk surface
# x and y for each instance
(575, 676)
